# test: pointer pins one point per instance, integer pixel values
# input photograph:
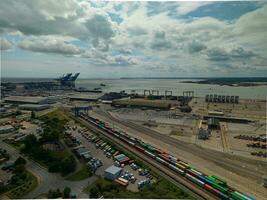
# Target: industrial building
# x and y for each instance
(121, 158)
(88, 98)
(213, 123)
(30, 100)
(6, 129)
(215, 98)
(112, 172)
(34, 107)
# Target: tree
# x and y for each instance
(30, 142)
(94, 192)
(66, 193)
(68, 165)
(20, 161)
(19, 169)
(54, 194)
(33, 116)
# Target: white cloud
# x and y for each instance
(50, 45)
(5, 44)
(186, 7)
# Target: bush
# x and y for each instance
(20, 161)
(66, 193)
(54, 194)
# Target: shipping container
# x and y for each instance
(150, 154)
(243, 195)
(164, 157)
(184, 164)
(237, 196)
(216, 192)
(195, 180)
(176, 169)
(180, 166)
(217, 186)
(196, 171)
(139, 149)
(161, 160)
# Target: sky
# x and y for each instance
(133, 39)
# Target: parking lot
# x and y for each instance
(100, 154)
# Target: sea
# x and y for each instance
(175, 85)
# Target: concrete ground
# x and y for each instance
(240, 173)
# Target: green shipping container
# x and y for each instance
(236, 196)
(217, 186)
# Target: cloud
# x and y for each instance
(49, 45)
(195, 47)
(220, 54)
(160, 42)
(100, 28)
(5, 44)
(187, 7)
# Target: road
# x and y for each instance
(244, 174)
(48, 180)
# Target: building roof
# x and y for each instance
(86, 97)
(82, 150)
(113, 169)
(33, 105)
(26, 99)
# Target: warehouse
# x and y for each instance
(112, 172)
(88, 98)
(30, 100)
(34, 107)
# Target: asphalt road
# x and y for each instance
(48, 180)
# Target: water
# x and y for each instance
(175, 85)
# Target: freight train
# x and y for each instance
(211, 183)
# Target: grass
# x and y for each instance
(20, 191)
(161, 189)
(61, 114)
(82, 174)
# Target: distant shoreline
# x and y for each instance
(232, 83)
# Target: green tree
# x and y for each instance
(68, 165)
(20, 161)
(30, 142)
(33, 116)
(66, 193)
(54, 194)
(94, 192)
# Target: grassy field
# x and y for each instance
(162, 189)
(82, 174)
(29, 185)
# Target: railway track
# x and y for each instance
(179, 181)
(225, 143)
(222, 159)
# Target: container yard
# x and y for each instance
(210, 183)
